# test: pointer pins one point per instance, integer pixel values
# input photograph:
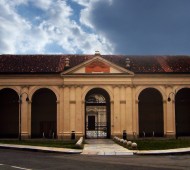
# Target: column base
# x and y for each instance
(70, 136)
(25, 136)
(130, 135)
(171, 135)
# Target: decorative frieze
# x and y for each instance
(122, 102)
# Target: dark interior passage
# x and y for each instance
(150, 113)
(9, 113)
(183, 112)
(44, 114)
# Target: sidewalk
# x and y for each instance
(98, 147)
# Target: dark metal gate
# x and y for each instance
(96, 122)
(97, 119)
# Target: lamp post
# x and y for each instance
(20, 103)
(169, 100)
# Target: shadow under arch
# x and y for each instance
(97, 114)
(182, 112)
(151, 120)
(44, 114)
(9, 113)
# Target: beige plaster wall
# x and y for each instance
(71, 90)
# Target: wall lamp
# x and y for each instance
(169, 98)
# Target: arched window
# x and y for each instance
(96, 98)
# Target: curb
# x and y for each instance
(179, 151)
(41, 149)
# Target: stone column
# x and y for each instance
(112, 117)
(170, 114)
(135, 112)
(129, 111)
(165, 115)
(123, 108)
(79, 113)
(60, 117)
(24, 113)
(29, 117)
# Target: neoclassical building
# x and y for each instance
(95, 96)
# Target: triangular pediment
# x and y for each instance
(97, 65)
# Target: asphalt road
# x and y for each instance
(27, 160)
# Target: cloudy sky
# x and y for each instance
(139, 27)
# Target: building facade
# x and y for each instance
(95, 96)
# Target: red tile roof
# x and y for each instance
(56, 63)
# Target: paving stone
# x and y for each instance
(104, 147)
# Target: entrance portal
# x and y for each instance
(44, 114)
(97, 109)
(151, 121)
(183, 112)
(9, 113)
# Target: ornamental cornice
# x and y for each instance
(72, 102)
(72, 85)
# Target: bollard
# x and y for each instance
(144, 134)
(124, 135)
(43, 135)
(73, 135)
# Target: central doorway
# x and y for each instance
(97, 114)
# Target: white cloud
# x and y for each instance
(19, 35)
(82, 2)
(42, 4)
(12, 25)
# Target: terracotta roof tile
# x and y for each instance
(56, 63)
(164, 64)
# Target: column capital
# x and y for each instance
(168, 86)
(116, 85)
(133, 86)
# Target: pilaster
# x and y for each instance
(66, 111)
(60, 115)
(117, 121)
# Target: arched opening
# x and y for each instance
(44, 114)
(182, 111)
(150, 113)
(9, 113)
(97, 114)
